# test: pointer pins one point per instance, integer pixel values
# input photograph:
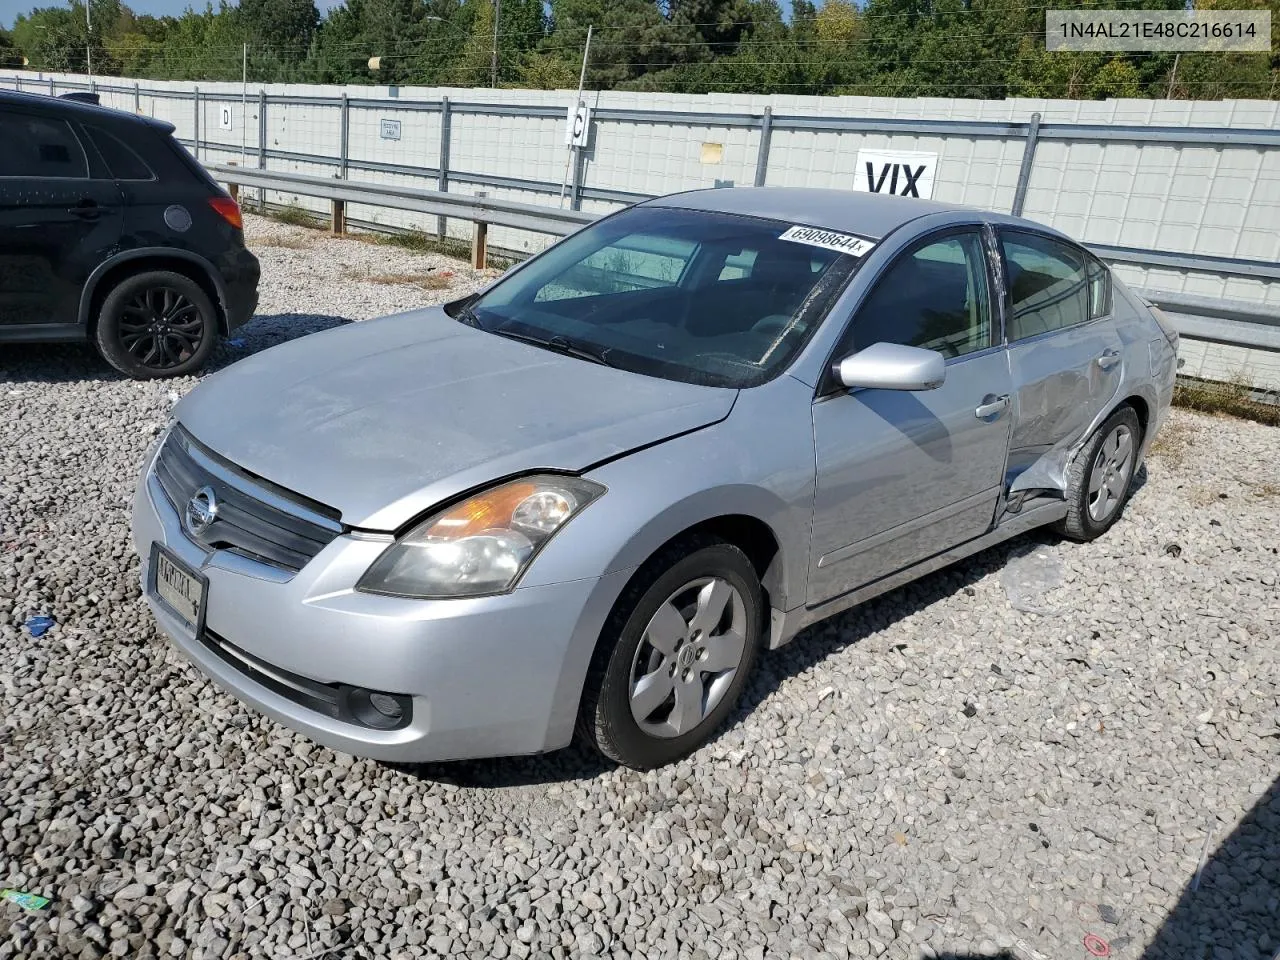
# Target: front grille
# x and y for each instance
(254, 518)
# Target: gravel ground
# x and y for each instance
(1032, 748)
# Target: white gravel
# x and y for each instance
(936, 772)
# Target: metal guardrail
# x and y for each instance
(1230, 322)
(487, 210)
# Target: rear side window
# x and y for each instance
(40, 147)
(121, 160)
(934, 296)
(1099, 290)
(1049, 286)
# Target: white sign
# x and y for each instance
(390, 130)
(577, 126)
(828, 240)
(903, 173)
(224, 118)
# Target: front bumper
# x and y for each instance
(489, 676)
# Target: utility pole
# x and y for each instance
(1173, 75)
(88, 42)
(582, 79)
(493, 61)
(244, 102)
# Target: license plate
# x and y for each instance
(179, 587)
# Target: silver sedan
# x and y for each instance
(588, 497)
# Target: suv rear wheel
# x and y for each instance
(157, 324)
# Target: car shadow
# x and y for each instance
(810, 647)
(826, 637)
(1228, 907)
(77, 361)
(268, 330)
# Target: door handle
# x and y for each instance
(86, 209)
(1109, 359)
(991, 406)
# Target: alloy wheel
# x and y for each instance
(161, 328)
(688, 656)
(1109, 477)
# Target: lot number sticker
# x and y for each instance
(224, 118)
(828, 240)
(903, 173)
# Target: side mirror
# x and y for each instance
(892, 366)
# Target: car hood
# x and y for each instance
(384, 419)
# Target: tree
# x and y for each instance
(10, 55)
(285, 28)
(633, 39)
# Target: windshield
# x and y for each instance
(687, 295)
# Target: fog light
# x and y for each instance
(385, 705)
(382, 711)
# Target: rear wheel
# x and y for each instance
(1100, 476)
(157, 324)
(674, 655)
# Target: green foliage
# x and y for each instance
(907, 48)
(10, 55)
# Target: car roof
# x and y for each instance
(78, 108)
(871, 215)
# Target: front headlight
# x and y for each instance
(481, 545)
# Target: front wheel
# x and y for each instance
(674, 655)
(1099, 477)
(157, 324)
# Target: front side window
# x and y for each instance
(40, 147)
(689, 295)
(1048, 285)
(933, 296)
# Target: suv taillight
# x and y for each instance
(229, 210)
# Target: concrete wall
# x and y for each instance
(1212, 198)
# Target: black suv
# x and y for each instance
(111, 231)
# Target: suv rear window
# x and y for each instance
(123, 163)
(40, 147)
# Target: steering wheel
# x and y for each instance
(772, 324)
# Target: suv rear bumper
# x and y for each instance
(240, 273)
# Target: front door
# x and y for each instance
(60, 216)
(903, 475)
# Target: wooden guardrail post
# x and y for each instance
(480, 241)
(338, 221)
(233, 188)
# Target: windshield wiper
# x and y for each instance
(467, 314)
(561, 344)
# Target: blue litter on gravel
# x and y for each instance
(39, 625)
(237, 342)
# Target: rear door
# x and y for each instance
(1065, 354)
(902, 475)
(60, 216)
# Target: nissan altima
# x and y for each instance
(586, 499)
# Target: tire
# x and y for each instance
(692, 576)
(156, 324)
(1101, 476)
